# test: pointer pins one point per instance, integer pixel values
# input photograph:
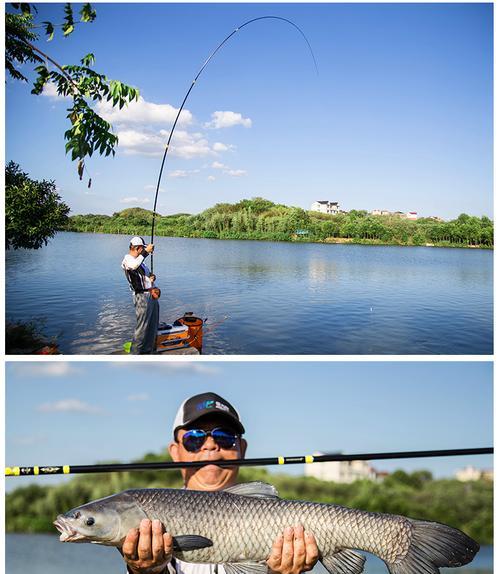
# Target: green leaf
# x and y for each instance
(88, 60)
(49, 30)
(67, 29)
(87, 13)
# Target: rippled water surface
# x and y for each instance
(44, 554)
(263, 297)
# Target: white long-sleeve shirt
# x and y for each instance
(137, 272)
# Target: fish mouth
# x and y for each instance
(68, 534)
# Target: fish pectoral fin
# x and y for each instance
(344, 562)
(258, 489)
(191, 542)
(245, 568)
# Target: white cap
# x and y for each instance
(206, 404)
(137, 241)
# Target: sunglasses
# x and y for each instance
(194, 439)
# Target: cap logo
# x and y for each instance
(205, 405)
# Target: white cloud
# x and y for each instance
(134, 200)
(211, 178)
(138, 397)
(219, 165)
(142, 112)
(227, 170)
(228, 120)
(219, 146)
(152, 188)
(46, 369)
(50, 91)
(69, 406)
(178, 173)
(235, 172)
(178, 366)
(184, 144)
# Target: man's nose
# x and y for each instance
(210, 444)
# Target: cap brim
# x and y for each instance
(235, 423)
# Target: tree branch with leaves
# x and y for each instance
(89, 132)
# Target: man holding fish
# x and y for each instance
(207, 427)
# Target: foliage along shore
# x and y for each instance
(467, 506)
(260, 219)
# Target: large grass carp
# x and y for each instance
(236, 527)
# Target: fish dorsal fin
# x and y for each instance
(258, 489)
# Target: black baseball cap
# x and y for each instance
(206, 404)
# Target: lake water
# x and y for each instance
(263, 297)
(44, 554)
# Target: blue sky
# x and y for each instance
(399, 118)
(85, 412)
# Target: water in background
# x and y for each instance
(44, 554)
(263, 297)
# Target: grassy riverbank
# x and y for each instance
(260, 219)
(468, 506)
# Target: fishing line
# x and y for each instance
(167, 147)
(278, 460)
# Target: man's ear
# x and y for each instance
(243, 447)
(173, 450)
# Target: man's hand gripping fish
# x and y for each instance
(236, 527)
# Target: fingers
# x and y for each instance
(157, 542)
(312, 552)
(274, 560)
(129, 548)
(299, 549)
(293, 552)
(287, 553)
(144, 547)
(147, 548)
(168, 546)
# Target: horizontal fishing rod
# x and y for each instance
(277, 460)
(226, 39)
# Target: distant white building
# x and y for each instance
(342, 471)
(471, 473)
(411, 215)
(330, 207)
(380, 212)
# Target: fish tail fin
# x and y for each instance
(434, 545)
(344, 562)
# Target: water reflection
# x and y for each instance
(353, 299)
(44, 554)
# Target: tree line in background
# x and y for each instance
(34, 212)
(467, 506)
(259, 218)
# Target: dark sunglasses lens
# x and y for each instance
(224, 438)
(193, 440)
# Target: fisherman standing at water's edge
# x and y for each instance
(145, 295)
(207, 427)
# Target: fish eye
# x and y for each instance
(90, 521)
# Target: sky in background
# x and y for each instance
(399, 118)
(84, 412)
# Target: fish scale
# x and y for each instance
(237, 527)
(213, 516)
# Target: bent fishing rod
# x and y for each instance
(167, 147)
(270, 461)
